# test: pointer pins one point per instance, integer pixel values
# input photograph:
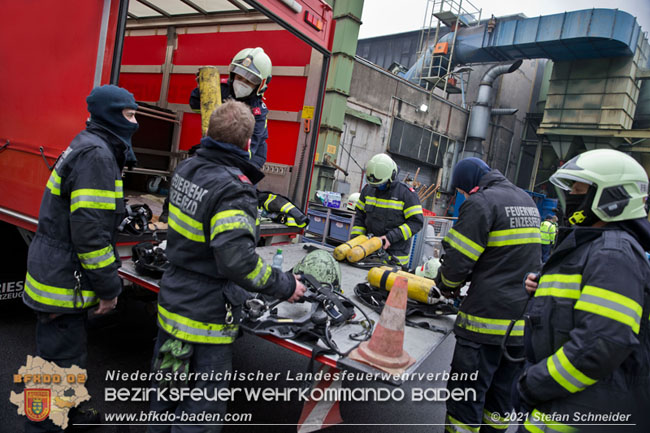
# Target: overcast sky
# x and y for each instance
(384, 17)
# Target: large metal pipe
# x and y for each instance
(503, 111)
(538, 38)
(481, 111)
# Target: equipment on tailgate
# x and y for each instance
(375, 299)
(149, 260)
(136, 221)
(342, 250)
(363, 250)
(419, 288)
(329, 308)
(322, 266)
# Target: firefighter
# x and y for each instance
(211, 249)
(388, 208)
(548, 231)
(495, 241)
(587, 330)
(72, 262)
(248, 79)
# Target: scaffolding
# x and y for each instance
(436, 54)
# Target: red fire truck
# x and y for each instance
(53, 54)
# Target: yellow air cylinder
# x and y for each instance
(364, 249)
(419, 288)
(341, 251)
(210, 90)
(424, 280)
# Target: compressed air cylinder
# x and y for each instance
(424, 280)
(364, 249)
(419, 288)
(341, 251)
(210, 90)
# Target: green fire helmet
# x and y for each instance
(322, 266)
(254, 65)
(352, 200)
(380, 169)
(621, 183)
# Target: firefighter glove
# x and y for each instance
(174, 357)
(521, 398)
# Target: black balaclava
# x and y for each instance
(105, 105)
(578, 208)
(468, 173)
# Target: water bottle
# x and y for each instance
(277, 260)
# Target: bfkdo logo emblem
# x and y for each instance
(37, 404)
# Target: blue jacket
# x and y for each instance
(72, 260)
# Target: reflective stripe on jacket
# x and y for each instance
(211, 247)
(395, 212)
(587, 326)
(496, 241)
(72, 261)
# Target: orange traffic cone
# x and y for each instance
(385, 350)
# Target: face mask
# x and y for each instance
(578, 210)
(241, 89)
(125, 129)
(106, 105)
(383, 186)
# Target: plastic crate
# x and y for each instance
(316, 222)
(441, 226)
(339, 227)
(429, 239)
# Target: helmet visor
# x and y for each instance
(375, 181)
(565, 181)
(247, 73)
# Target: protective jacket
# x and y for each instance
(548, 230)
(587, 330)
(395, 213)
(211, 247)
(258, 107)
(281, 209)
(496, 241)
(72, 261)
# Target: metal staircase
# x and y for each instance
(454, 14)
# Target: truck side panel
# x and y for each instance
(49, 57)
